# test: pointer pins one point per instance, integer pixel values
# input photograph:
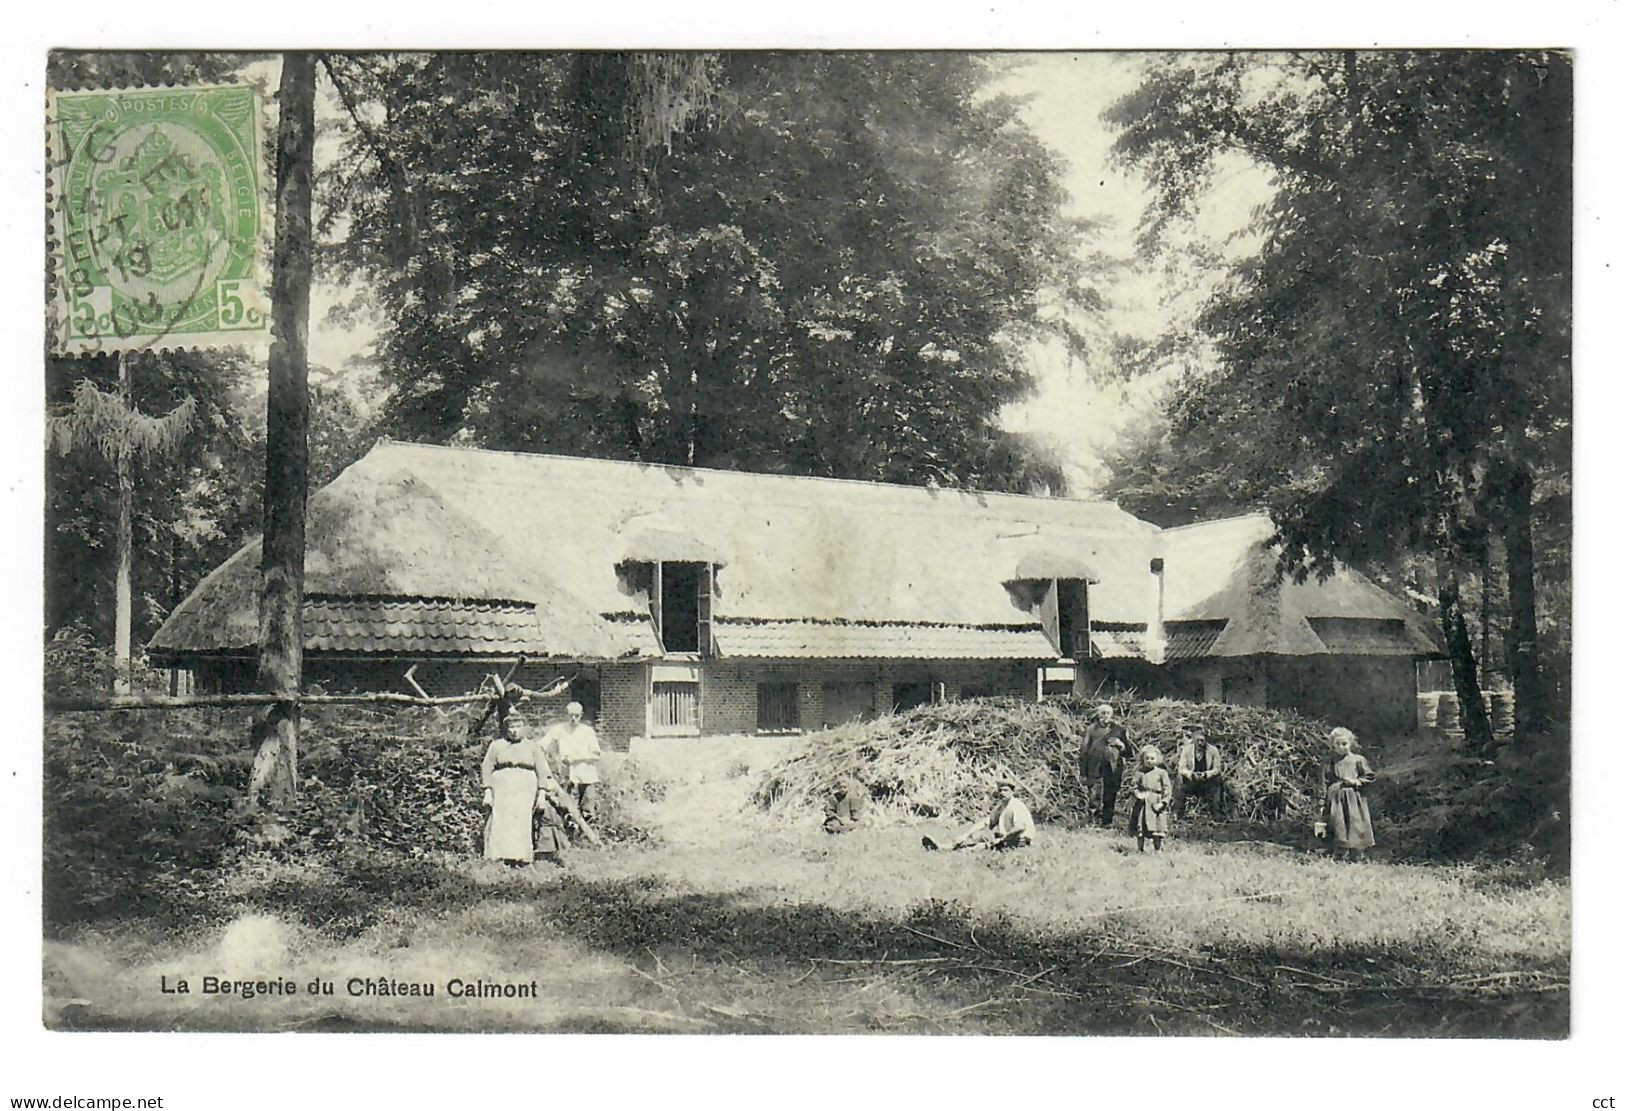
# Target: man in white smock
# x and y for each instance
(1009, 826)
(573, 746)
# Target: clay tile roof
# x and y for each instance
(879, 640)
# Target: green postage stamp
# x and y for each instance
(160, 217)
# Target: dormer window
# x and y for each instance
(1056, 585)
(680, 605)
(677, 573)
(1063, 609)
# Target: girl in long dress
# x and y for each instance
(516, 777)
(1153, 791)
(1347, 815)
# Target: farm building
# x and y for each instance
(681, 602)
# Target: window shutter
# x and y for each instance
(707, 573)
(656, 582)
(1049, 613)
(676, 706)
(1087, 648)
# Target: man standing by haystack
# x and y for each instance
(1105, 747)
(1010, 826)
(573, 745)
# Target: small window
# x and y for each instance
(676, 707)
(777, 708)
(586, 690)
(906, 696)
(850, 701)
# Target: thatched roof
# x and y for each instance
(1225, 571)
(373, 536)
(657, 545)
(805, 567)
(1050, 563)
(805, 564)
(795, 548)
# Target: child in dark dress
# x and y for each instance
(1346, 814)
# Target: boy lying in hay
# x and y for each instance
(1009, 826)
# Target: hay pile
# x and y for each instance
(942, 760)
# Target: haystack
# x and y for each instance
(941, 760)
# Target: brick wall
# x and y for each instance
(728, 687)
(623, 707)
(1373, 695)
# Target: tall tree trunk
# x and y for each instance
(125, 476)
(1523, 652)
(1475, 723)
(174, 599)
(287, 451)
(1484, 613)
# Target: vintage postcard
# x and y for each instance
(789, 542)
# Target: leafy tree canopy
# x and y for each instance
(1397, 352)
(831, 269)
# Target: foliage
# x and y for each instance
(138, 812)
(144, 811)
(101, 421)
(75, 663)
(831, 270)
(944, 758)
(1405, 206)
(1395, 357)
(1514, 808)
(192, 506)
(1172, 481)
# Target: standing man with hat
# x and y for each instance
(1105, 747)
(573, 744)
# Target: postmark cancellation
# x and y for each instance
(159, 215)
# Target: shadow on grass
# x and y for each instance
(1092, 981)
(961, 971)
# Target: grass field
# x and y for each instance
(724, 922)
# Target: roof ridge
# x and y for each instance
(879, 623)
(329, 597)
(1216, 521)
(678, 467)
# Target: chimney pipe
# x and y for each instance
(1156, 642)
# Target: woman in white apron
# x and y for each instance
(515, 775)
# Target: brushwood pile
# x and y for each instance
(941, 760)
